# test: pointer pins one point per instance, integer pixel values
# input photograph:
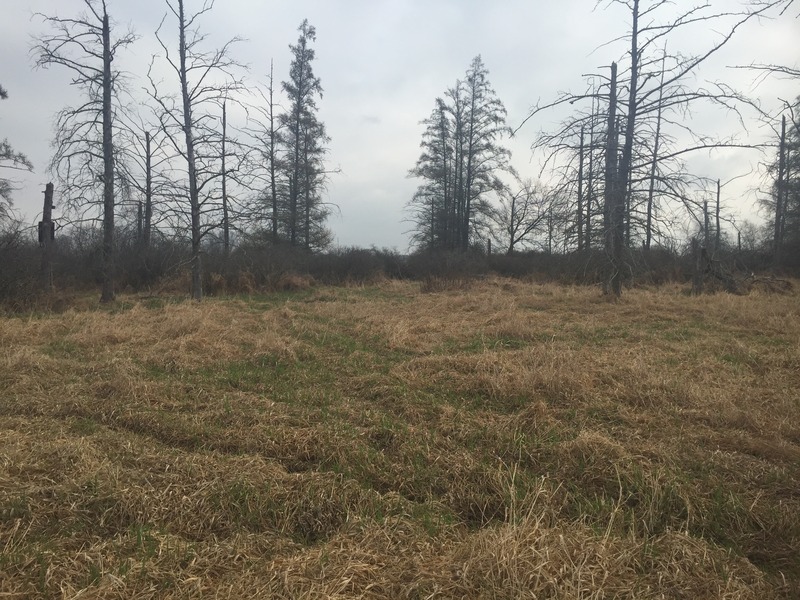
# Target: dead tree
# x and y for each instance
(615, 186)
(84, 151)
(47, 230)
(145, 163)
(204, 81)
(265, 130)
(657, 90)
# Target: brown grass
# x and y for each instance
(491, 440)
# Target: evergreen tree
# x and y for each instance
(10, 159)
(460, 162)
(302, 140)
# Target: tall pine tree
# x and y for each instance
(460, 162)
(303, 139)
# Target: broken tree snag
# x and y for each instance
(770, 285)
(47, 234)
(704, 265)
(697, 273)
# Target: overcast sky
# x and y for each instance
(382, 63)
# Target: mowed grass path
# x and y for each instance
(507, 440)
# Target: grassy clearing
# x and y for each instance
(506, 440)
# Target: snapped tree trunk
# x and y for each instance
(46, 235)
(699, 268)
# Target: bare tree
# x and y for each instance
(204, 81)
(84, 151)
(616, 182)
(145, 163)
(265, 131)
(234, 175)
(522, 214)
(657, 94)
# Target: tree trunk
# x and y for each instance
(148, 193)
(699, 268)
(580, 193)
(139, 222)
(46, 230)
(446, 168)
(273, 182)
(779, 207)
(294, 186)
(717, 229)
(469, 172)
(226, 225)
(194, 194)
(648, 235)
(614, 193)
(107, 294)
(590, 183)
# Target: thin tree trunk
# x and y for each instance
(699, 268)
(273, 182)
(590, 182)
(447, 189)
(306, 194)
(294, 188)
(614, 197)
(469, 172)
(580, 193)
(148, 193)
(226, 225)
(194, 194)
(107, 294)
(779, 207)
(459, 172)
(651, 191)
(628, 210)
(717, 230)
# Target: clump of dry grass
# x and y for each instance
(504, 440)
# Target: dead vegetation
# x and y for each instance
(501, 440)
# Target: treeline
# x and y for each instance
(252, 266)
(217, 181)
(619, 181)
(202, 156)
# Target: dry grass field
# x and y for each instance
(502, 440)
